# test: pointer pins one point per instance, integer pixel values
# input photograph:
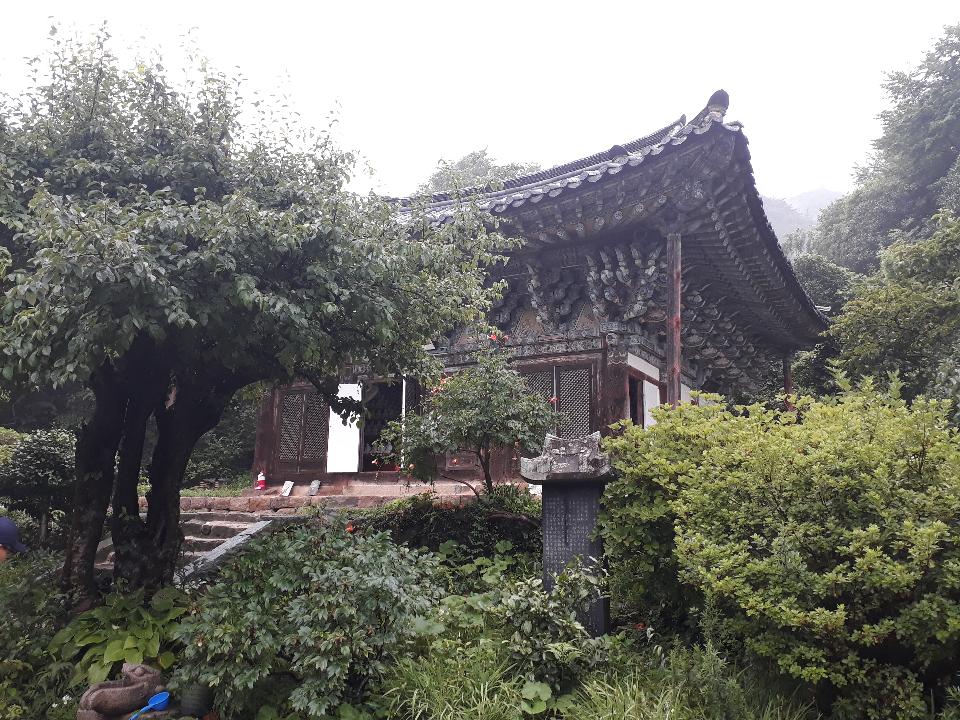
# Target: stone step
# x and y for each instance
(201, 544)
(202, 527)
(227, 516)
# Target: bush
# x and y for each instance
(828, 537)
(125, 629)
(8, 441)
(314, 610)
(637, 525)
(508, 513)
(31, 681)
(38, 477)
(545, 641)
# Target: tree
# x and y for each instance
(480, 410)
(906, 319)
(166, 253)
(915, 169)
(472, 170)
(38, 475)
(829, 286)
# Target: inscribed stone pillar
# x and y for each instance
(572, 472)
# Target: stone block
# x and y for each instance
(239, 504)
(567, 459)
(258, 504)
(277, 503)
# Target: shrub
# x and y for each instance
(31, 681)
(125, 629)
(508, 513)
(314, 608)
(637, 525)
(8, 441)
(828, 536)
(541, 633)
(38, 478)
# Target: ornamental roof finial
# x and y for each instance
(718, 103)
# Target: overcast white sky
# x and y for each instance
(544, 82)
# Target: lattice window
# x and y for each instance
(540, 383)
(316, 427)
(573, 400)
(291, 426)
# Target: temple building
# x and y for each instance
(647, 270)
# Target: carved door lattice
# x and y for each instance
(573, 400)
(291, 426)
(571, 386)
(540, 383)
(316, 428)
(304, 430)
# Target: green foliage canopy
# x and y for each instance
(906, 319)
(39, 474)
(830, 287)
(172, 242)
(475, 169)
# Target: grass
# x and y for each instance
(231, 488)
(458, 682)
(645, 696)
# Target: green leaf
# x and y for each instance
(114, 651)
(98, 672)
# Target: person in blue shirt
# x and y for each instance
(9, 539)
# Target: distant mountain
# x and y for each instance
(784, 217)
(810, 203)
(799, 212)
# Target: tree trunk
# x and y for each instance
(127, 528)
(483, 455)
(95, 454)
(181, 421)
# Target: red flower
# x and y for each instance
(640, 626)
(493, 336)
(349, 527)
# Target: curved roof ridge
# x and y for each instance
(558, 172)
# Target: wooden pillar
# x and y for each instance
(673, 319)
(264, 448)
(614, 400)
